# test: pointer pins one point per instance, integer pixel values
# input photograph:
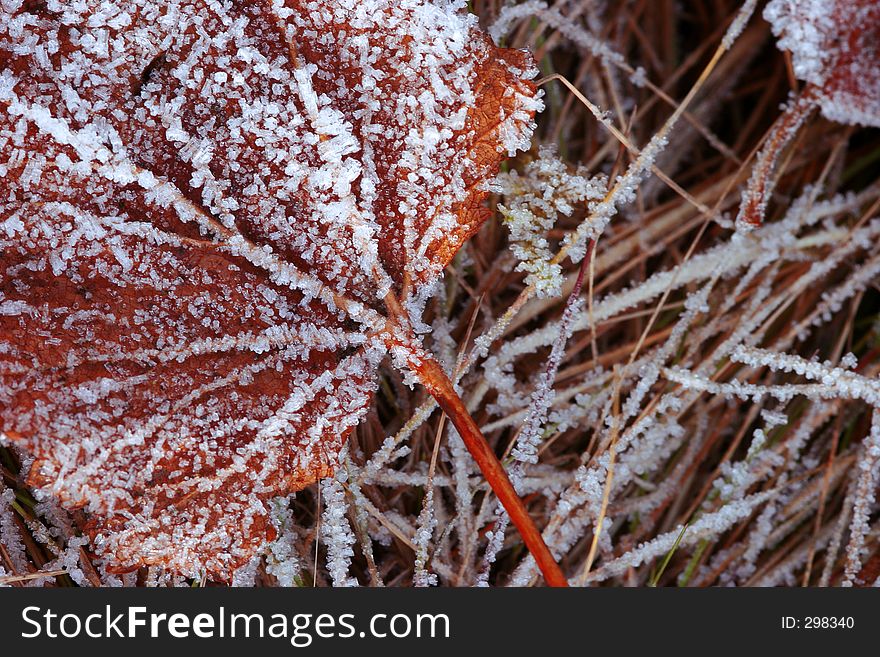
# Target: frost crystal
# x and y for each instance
(533, 200)
(336, 533)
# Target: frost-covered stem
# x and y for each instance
(438, 384)
(282, 559)
(336, 532)
(426, 523)
(526, 450)
(863, 502)
(12, 549)
(495, 537)
(427, 519)
(837, 537)
(760, 186)
(361, 520)
(708, 526)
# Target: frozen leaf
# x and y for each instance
(835, 46)
(217, 218)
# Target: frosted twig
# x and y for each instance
(863, 500)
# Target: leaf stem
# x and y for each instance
(761, 183)
(438, 384)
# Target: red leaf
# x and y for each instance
(835, 46)
(219, 219)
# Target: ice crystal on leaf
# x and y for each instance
(835, 46)
(206, 209)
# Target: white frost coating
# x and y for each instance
(844, 383)
(534, 199)
(770, 247)
(863, 501)
(282, 560)
(336, 532)
(427, 522)
(707, 527)
(804, 26)
(10, 536)
(739, 23)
